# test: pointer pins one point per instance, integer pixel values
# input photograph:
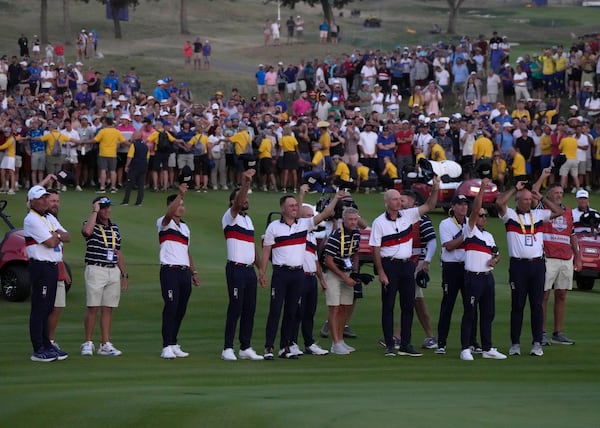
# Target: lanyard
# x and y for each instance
(342, 243)
(523, 226)
(454, 219)
(112, 233)
(49, 225)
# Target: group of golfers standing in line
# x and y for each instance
(542, 249)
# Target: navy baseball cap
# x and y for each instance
(459, 199)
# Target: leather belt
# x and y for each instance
(288, 267)
(534, 259)
(393, 259)
(230, 262)
(43, 261)
(180, 267)
(487, 272)
(101, 264)
(310, 273)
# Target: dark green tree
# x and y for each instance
(326, 5)
(116, 5)
(453, 9)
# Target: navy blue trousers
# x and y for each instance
(526, 280)
(286, 287)
(401, 276)
(479, 293)
(241, 288)
(43, 293)
(453, 281)
(176, 287)
(305, 318)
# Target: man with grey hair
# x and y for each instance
(341, 260)
(391, 243)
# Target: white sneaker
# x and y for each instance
(339, 349)
(250, 354)
(179, 353)
(515, 349)
(228, 355)
(109, 350)
(466, 355)
(10, 192)
(87, 348)
(295, 349)
(536, 350)
(493, 354)
(63, 189)
(348, 347)
(167, 353)
(78, 188)
(315, 349)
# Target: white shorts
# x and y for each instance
(337, 293)
(559, 274)
(61, 295)
(291, 87)
(18, 161)
(102, 286)
(8, 162)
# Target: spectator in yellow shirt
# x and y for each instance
(518, 166)
(436, 151)
(265, 159)
(389, 173)
(568, 146)
(8, 162)
(365, 178)
(482, 148)
(341, 175)
(498, 170)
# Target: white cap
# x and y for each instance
(573, 107)
(215, 106)
(587, 83)
(581, 193)
(78, 63)
(507, 125)
(394, 87)
(36, 192)
(125, 116)
(520, 59)
(160, 82)
(122, 98)
(356, 108)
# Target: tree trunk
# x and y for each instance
(44, 22)
(453, 8)
(117, 24)
(67, 22)
(183, 22)
(327, 12)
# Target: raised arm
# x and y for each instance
(477, 203)
(172, 208)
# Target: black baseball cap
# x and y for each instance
(103, 201)
(459, 199)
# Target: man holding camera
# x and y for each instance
(341, 261)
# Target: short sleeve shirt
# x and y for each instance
(394, 237)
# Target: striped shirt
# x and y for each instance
(310, 254)
(478, 249)
(288, 241)
(351, 243)
(102, 245)
(394, 236)
(524, 232)
(239, 237)
(423, 232)
(174, 243)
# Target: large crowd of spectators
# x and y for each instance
(357, 120)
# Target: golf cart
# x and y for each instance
(451, 184)
(589, 247)
(15, 283)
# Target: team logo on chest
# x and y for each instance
(559, 223)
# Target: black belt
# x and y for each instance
(43, 261)
(180, 267)
(310, 273)
(394, 259)
(533, 259)
(230, 262)
(288, 267)
(487, 272)
(101, 264)
(453, 263)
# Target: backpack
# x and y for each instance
(164, 144)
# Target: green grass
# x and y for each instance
(140, 389)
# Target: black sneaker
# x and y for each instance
(269, 354)
(476, 348)
(390, 352)
(409, 351)
(348, 333)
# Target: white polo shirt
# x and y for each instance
(478, 249)
(524, 232)
(38, 229)
(451, 229)
(394, 237)
(174, 242)
(310, 254)
(239, 237)
(368, 142)
(288, 242)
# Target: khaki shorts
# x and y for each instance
(61, 295)
(559, 274)
(569, 168)
(102, 286)
(185, 160)
(337, 293)
(38, 161)
(172, 162)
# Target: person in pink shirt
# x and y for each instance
(301, 106)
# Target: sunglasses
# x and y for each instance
(483, 215)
